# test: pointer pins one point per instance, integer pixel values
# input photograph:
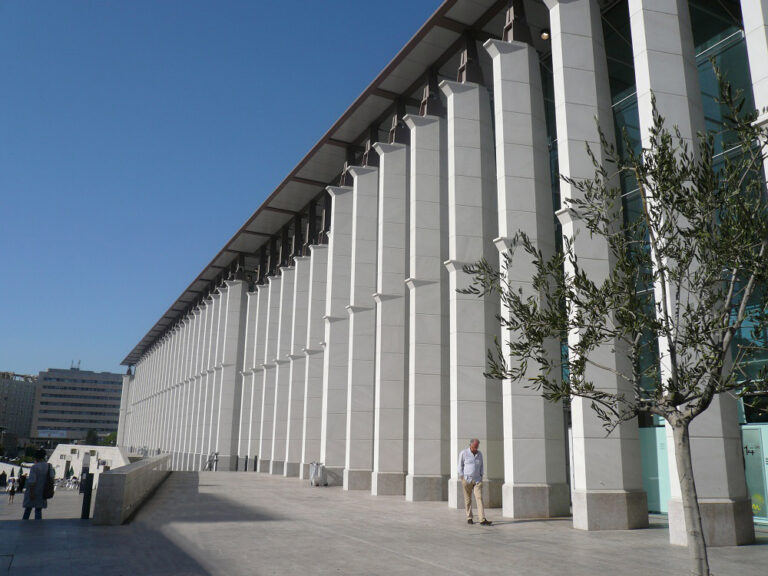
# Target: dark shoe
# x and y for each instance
(486, 523)
(470, 521)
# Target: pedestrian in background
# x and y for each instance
(471, 474)
(34, 497)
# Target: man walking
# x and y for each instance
(471, 474)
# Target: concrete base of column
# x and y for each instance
(291, 469)
(388, 484)
(357, 479)
(226, 463)
(426, 488)
(536, 500)
(334, 476)
(241, 460)
(263, 466)
(725, 522)
(610, 510)
(254, 465)
(492, 497)
(276, 467)
(304, 470)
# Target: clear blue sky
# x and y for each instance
(137, 136)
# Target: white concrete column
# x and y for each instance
(208, 378)
(192, 392)
(665, 67)
(429, 465)
(282, 370)
(257, 375)
(476, 402)
(535, 483)
(231, 381)
(122, 423)
(607, 492)
(297, 371)
(269, 372)
(246, 372)
(390, 434)
(362, 328)
(182, 395)
(201, 377)
(333, 434)
(755, 19)
(314, 349)
(215, 371)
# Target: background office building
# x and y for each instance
(17, 400)
(329, 328)
(71, 402)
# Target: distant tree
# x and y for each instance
(690, 273)
(110, 439)
(92, 438)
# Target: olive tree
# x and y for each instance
(687, 289)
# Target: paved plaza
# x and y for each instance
(233, 524)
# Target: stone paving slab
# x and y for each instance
(255, 524)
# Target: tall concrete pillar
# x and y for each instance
(202, 377)
(476, 402)
(314, 349)
(269, 373)
(665, 67)
(297, 370)
(362, 327)
(257, 376)
(607, 492)
(181, 397)
(755, 20)
(122, 422)
(535, 482)
(390, 437)
(214, 371)
(282, 370)
(231, 383)
(333, 435)
(246, 372)
(209, 375)
(429, 465)
(189, 448)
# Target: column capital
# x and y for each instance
(451, 87)
(338, 190)
(413, 283)
(379, 297)
(455, 265)
(358, 171)
(383, 148)
(415, 121)
(498, 47)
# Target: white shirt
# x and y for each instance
(471, 465)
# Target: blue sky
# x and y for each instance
(137, 136)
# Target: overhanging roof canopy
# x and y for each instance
(435, 46)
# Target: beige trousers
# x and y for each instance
(469, 487)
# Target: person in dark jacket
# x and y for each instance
(34, 494)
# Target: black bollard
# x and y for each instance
(86, 487)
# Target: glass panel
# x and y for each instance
(755, 467)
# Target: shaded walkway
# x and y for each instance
(255, 524)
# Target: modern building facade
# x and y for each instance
(69, 403)
(17, 401)
(330, 329)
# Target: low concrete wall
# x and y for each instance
(123, 490)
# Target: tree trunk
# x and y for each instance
(697, 547)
